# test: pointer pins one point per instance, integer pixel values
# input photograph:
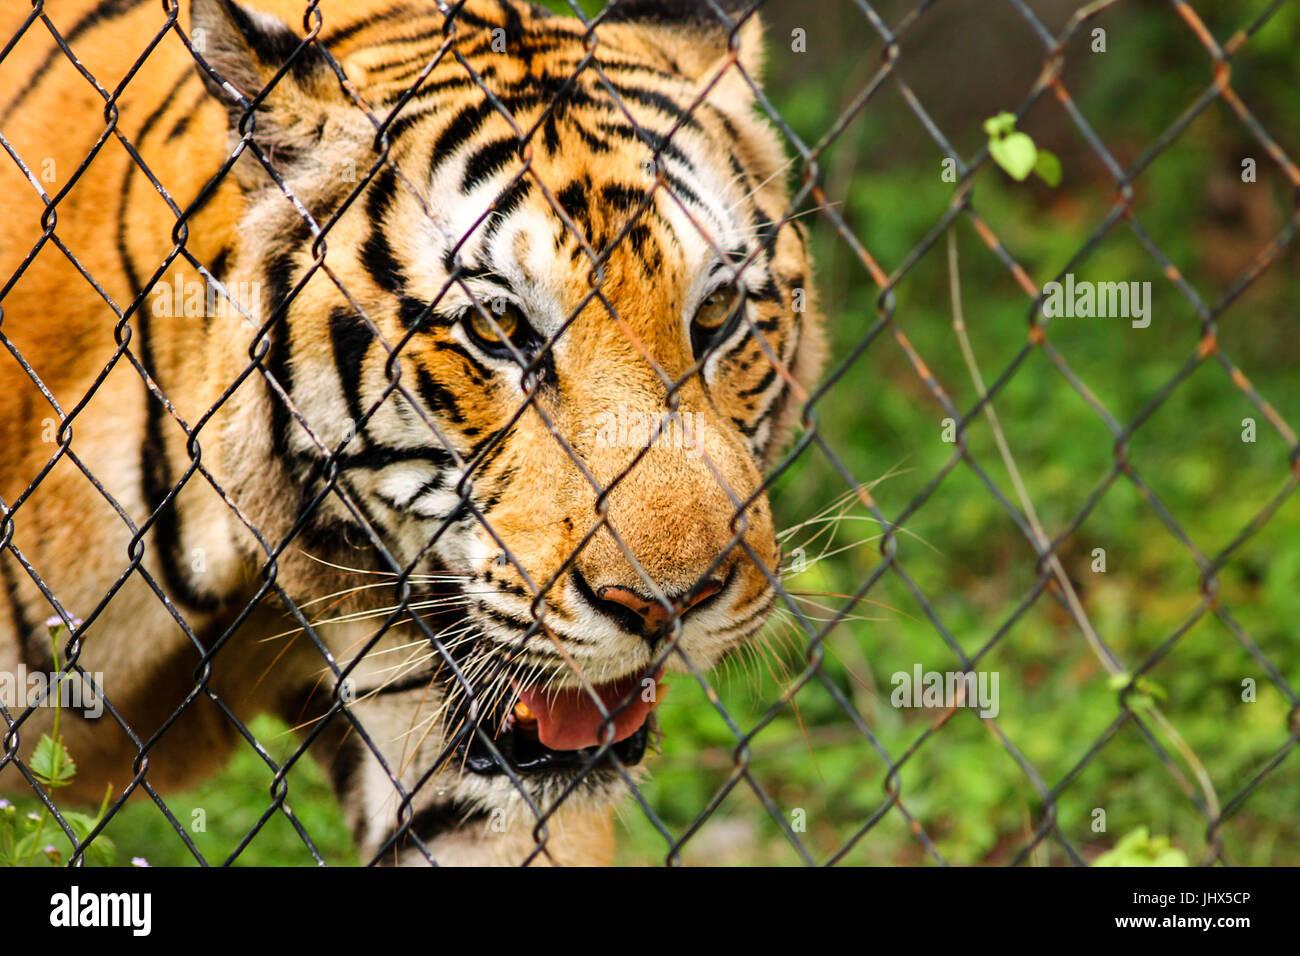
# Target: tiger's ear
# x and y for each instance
(696, 42)
(245, 49)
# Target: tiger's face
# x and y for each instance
(545, 349)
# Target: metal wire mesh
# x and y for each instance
(808, 175)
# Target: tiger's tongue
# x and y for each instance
(569, 719)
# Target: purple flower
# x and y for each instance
(55, 622)
(139, 861)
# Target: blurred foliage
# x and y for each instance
(1139, 848)
(235, 806)
(962, 791)
(967, 792)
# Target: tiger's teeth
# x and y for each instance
(523, 714)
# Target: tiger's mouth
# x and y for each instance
(564, 730)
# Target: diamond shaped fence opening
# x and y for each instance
(402, 396)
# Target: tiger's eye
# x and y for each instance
(507, 323)
(717, 308)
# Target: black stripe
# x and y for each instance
(220, 262)
(489, 160)
(627, 66)
(398, 11)
(352, 339)
(279, 276)
(767, 292)
(402, 685)
(748, 429)
(345, 764)
(766, 229)
(381, 456)
(656, 141)
(622, 198)
(180, 127)
(418, 315)
(23, 627)
(124, 204)
(155, 466)
(647, 250)
(660, 101)
(675, 12)
(506, 203)
(523, 624)
(455, 133)
(406, 64)
(457, 349)
(762, 385)
(274, 44)
(105, 10)
(573, 200)
(551, 135)
(156, 479)
(438, 819)
(429, 91)
(382, 192)
(592, 141)
(682, 191)
(376, 254)
(514, 25)
(437, 397)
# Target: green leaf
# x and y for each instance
(8, 819)
(1145, 691)
(1016, 153)
(25, 850)
(1139, 848)
(1048, 168)
(100, 850)
(81, 823)
(1150, 688)
(51, 763)
(997, 126)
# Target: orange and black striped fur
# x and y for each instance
(359, 406)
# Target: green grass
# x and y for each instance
(231, 806)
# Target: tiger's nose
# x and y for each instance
(652, 614)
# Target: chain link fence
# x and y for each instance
(410, 623)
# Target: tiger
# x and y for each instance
(408, 371)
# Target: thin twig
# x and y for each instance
(1043, 543)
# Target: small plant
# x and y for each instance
(22, 836)
(1145, 691)
(1016, 153)
(1139, 848)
